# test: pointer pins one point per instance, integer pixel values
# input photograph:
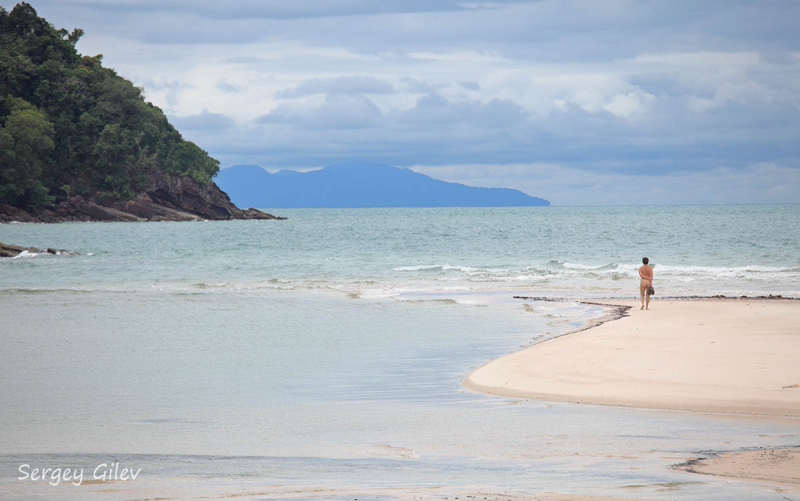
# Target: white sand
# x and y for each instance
(737, 356)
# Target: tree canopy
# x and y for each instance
(69, 126)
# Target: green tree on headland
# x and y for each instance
(68, 126)
(26, 144)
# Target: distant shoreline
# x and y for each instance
(359, 185)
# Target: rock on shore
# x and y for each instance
(168, 199)
(8, 250)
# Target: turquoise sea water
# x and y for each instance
(326, 351)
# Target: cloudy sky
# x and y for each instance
(579, 102)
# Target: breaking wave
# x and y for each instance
(27, 254)
(554, 270)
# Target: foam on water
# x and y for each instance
(565, 274)
(27, 254)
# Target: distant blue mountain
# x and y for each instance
(357, 184)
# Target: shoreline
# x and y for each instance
(775, 466)
(716, 297)
(678, 365)
(585, 345)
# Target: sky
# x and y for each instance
(578, 102)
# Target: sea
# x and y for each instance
(321, 357)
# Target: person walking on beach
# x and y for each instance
(646, 282)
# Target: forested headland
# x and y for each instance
(77, 139)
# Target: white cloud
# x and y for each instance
(630, 104)
(202, 121)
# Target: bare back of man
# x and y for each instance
(646, 276)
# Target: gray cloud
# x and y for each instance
(282, 10)
(417, 86)
(435, 109)
(339, 111)
(607, 92)
(339, 85)
(443, 132)
(556, 31)
(229, 88)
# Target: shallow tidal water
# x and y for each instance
(323, 355)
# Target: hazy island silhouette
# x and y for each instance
(359, 184)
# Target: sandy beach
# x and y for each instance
(732, 356)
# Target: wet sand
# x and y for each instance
(781, 466)
(494, 496)
(731, 356)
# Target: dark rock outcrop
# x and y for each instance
(168, 199)
(8, 250)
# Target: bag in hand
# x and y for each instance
(650, 290)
